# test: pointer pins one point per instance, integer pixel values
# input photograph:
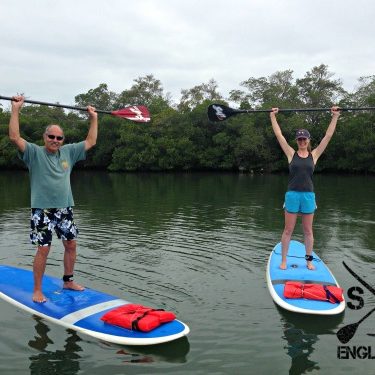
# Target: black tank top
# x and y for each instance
(300, 173)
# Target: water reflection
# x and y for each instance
(171, 352)
(59, 362)
(301, 333)
(67, 361)
(300, 347)
(151, 203)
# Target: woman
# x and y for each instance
(300, 197)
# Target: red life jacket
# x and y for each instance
(295, 289)
(137, 317)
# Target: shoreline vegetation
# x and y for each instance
(180, 138)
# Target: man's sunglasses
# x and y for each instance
(58, 137)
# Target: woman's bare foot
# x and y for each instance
(39, 297)
(73, 286)
(310, 266)
(283, 266)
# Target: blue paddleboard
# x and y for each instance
(297, 271)
(80, 311)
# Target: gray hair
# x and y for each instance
(50, 126)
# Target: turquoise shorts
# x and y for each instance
(300, 202)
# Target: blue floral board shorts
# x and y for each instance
(300, 202)
(44, 220)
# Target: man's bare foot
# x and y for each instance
(73, 286)
(39, 297)
(283, 266)
(310, 266)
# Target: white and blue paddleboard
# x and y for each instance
(80, 311)
(297, 271)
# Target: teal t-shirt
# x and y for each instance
(50, 173)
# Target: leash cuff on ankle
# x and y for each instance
(67, 278)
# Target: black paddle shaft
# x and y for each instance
(55, 105)
(363, 282)
(220, 112)
(346, 333)
(312, 109)
(366, 316)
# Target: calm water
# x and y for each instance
(196, 244)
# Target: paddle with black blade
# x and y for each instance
(136, 113)
(220, 112)
(346, 333)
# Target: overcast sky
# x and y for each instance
(55, 50)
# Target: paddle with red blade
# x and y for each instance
(220, 112)
(136, 113)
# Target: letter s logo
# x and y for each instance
(355, 297)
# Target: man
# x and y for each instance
(50, 167)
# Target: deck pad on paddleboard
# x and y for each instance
(297, 271)
(80, 311)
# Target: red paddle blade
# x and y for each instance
(136, 113)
